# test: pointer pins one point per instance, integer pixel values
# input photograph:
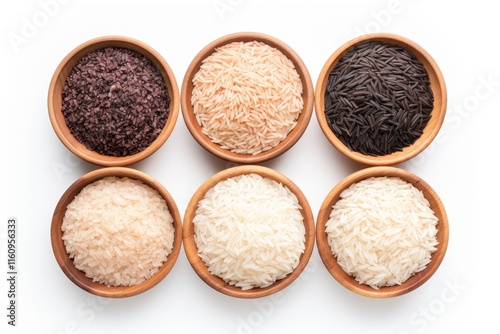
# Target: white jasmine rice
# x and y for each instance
(118, 231)
(249, 231)
(382, 231)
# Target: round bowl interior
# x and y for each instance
(437, 85)
(55, 99)
(78, 277)
(292, 137)
(414, 281)
(192, 252)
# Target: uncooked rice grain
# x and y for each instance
(115, 101)
(247, 97)
(382, 231)
(249, 231)
(378, 99)
(118, 231)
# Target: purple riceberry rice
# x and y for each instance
(378, 99)
(115, 101)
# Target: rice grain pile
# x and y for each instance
(247, 97)
(115, 101)
(249, 231)
(382, 231)
(378, 99)
(118, 231)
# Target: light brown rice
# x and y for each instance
(247, 97)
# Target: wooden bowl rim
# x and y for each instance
(190, 245)
(78, 277)
(59, 77)
(438, 87)
(413, 282)
(302, 122)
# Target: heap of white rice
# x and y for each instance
(118, 231)
(382, 231)
(249, 231)
(247, 97)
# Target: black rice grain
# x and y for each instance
(115, 101)
(378, 99)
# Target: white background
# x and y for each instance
(461, 36)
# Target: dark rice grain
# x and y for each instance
(378, 99)
(115, 101)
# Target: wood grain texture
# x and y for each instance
(195, 129)
(438, 113)
(414, 281)
(57, 83)
(192, 252)
(78, 277)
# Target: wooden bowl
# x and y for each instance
(414, 281)
(437, 85)
(190, 245)
(204, 140)
(55, 99)
(78, 277)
